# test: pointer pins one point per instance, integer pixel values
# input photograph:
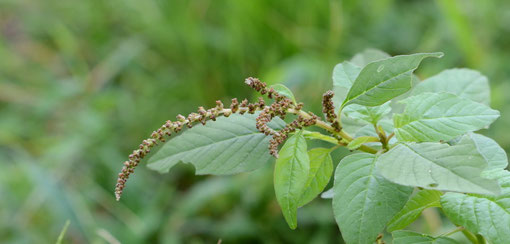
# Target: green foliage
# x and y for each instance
(321, 168)
(380, 81)
(226, 146)
(420, 201)
(291, 176)
(440, 116)
(406, 237)
(468, 84)
(438, 166)
(363, 201)
(358, 141)
(434, 151)
(371, 115)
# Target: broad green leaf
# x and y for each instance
(284, 91)
(420, 201)
(314, 135)
(367, 56)
(382, 80)
(291, 175)
(440, 116)
(464, 83)
(344, 75)
(408, 237)
(321, 168)
(225, 146)
(437, 166)
(493, 153)
(485, 215)
(357, 142)
(370, 115)
(364, 202)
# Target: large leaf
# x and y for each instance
(438, 166)
(382, 80)
(367, 56)
(344, 75)
(464, 83)
(417, 203)
(485, 215)
(440, 116)
(370, 115)
(408, 237)
(291, 176)
(321, 168)
(225, 146)
(364, 202)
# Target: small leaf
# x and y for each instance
(313, 135)
(417, 203)
(364, 202)
(321, 168)
(440, 116)
(344, 75)
(493, 153)
(357, 142)
(291, 175)
(485, 215)
(284, 91)
(382, 80)
(464, 83)
(437, 166)
(225, 146)
(407, 237)
(367, 56)
(370, 115)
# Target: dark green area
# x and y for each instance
(83, 82)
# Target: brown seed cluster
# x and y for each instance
(329, 109)
(170, 127)
(278, 108)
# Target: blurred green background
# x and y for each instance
(83, 82)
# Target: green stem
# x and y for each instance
(470, 236)
(332, 130)
(459, 228)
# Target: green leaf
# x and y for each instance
(314, 135)
(490, 150)
(364, 202)
(485, 215)
(344, 75)
(440, 116)
(370, 115)
(437, 166)
(225, 146)
(420, 201)
(357, 142)
(367, 56)
(291, 176)
(321, 168)
(284, 91)
(382, 80)
(464, 83)
(407, 237)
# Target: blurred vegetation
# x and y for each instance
(83, 82)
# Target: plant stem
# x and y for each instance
(459, 228)
(332, 130)
(471, 237)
